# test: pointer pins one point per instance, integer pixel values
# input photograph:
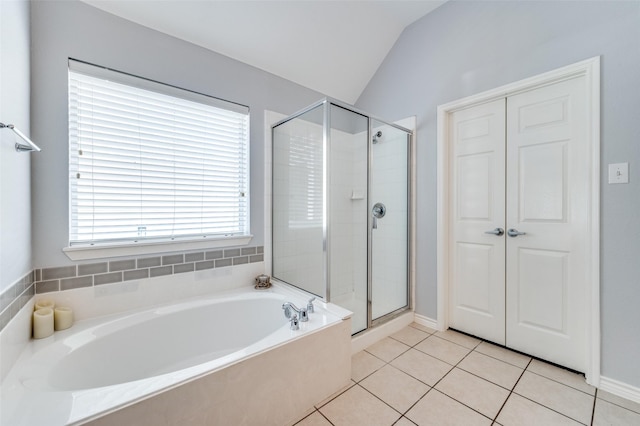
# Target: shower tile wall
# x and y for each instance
(348, 216)
(389, 186)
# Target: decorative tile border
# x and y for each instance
(15, 297)
(45, 280)
(108, 272)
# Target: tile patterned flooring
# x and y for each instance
(422, 377)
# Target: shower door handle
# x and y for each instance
(374, 224)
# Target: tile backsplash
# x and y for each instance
(15, 297)
(46, 280)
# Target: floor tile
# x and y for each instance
(410, 336)
(363, 364)
(503, 354)
(617, 400)
(358, 407)
(422, 328)
(394, 387)
(519, 411)
(442, 349)
(335, 394)
(437, 409)
(556, 396)
(423, 367)
(477, 393)
(607, 414)
(459, 338)
(561, 375)
(491, 369)
(315, 419)
(404, 422)
(387, 349)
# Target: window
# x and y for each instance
(153, 163)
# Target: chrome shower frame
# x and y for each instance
(326, 103)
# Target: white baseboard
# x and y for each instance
(379, 332)
(426, 321)
(620, 389)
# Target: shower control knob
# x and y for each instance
(379, 210)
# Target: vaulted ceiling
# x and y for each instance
(331, 46)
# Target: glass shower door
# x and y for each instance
(298, 237)
(389, 209)
(348, 213)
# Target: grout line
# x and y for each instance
(325, 417)
(337, 395)
(616, 404)
(511, 392)
(449, 372)
(550, 409)
(445, 375)
(561, 383)
(381, 400)
(593, 410)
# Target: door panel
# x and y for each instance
(477, 294)
(547, 199)
(542, 290)
(543, 178)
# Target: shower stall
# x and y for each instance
(341, 210)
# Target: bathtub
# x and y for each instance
(227, 359)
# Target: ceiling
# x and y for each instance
(331, 46)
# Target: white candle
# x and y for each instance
(44, 303)
(62, 318)
(42, 323)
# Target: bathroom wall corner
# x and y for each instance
(14, 338)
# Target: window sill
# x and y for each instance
(138, 249)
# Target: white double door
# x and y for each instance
(518, 197)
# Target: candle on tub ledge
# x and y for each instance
(44, 303)
(42, 323)
(62, 318)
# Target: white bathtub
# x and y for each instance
(231, 353)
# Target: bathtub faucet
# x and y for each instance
(292, 312)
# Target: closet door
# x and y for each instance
(547, 201)
(477, 192)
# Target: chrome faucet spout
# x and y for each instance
(295, 314)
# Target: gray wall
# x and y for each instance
(64, 29)
(464, 48)
(15, 168)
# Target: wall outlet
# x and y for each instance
(619, 173)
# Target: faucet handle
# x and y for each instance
(310, 308)
(295, 325)
(304, 315)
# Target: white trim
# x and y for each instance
(620, 389)
(137, 249)
(589, 68)
(426, 321)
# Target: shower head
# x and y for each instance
(377, 135)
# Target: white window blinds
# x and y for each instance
(150, 162)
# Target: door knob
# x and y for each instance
(497, 231)
(514, 232)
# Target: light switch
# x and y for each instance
(619, 173)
